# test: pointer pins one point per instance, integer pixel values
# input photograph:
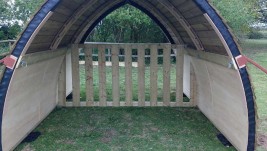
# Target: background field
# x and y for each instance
(257, 50)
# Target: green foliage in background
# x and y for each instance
(239, 14)
(127, 24)
(263, 10)
(14, 15)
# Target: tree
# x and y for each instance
(263, 10)
(240, 14)
(14, 15)
(4, 9)
(23, 9)
(127, 24)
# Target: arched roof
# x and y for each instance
(182, 21)
(194, 23)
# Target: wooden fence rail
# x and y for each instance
(128, 49)
(3, 42)
(10, 42)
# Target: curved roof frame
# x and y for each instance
(203, 5)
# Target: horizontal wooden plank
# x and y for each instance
(34, 58)
(48, 32)
(211, 57)
(134, 103)
(199, 19)
(71, 32)
(176, 4)
(211, 41)
(59, 17)
(38, 47)
(65, 41)
(72, 5)
(192, 12)
(42, 39)
(52, 24)
(186, 6)
(216, 49)
(62, 9)
(207, 34)
(201, 27)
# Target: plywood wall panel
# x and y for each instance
(31, 97)
(221, 98)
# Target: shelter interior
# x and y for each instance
(48, 67)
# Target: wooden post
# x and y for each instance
(141, 75)
(62, 84)
(10, 45)
(179, 75)
(75, 75)
(128, 75)
(89, 75)
(102, 75)
(115, 75)
(153, 75)
(166, 75)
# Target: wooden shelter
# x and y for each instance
(43, 66)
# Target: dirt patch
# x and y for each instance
(27, 148)
(108, 135)
(154, 129)
(262, 141)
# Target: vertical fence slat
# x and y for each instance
(62, 84)
(153, 75)
(179, 75)
(166, 75)
(102, 75)
(141, 75)
(75, 75)
(128, 75)
(89, 75)
(115, 75)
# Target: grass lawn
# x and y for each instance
(122, 83)
(143, 128)
(126, 129)
(257, 50)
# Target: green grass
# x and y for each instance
(122, 83)
(124, 129)
(257, 50)
(254, 46)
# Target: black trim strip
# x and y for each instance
(26, 35)
(217, 20)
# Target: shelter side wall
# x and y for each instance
(31, 97)
(221, 98)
